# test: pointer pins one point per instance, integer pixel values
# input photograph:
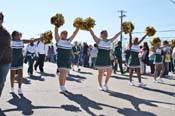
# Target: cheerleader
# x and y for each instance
(103, 61)
(158, 61)
(64, 57)
(134, 63)
(17, 59)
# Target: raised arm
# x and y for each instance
(57, 37)
(115, 36)
(74, 34)
(96, 39)
(130, 40)
(31, 40)
(142, 38)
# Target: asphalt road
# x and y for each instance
(41, 96)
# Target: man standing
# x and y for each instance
(5, 53)
(118, 57)
(31, 55)
(42, 53)
(76, 52)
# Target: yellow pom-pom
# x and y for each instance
(127, 27)
(85, 24)
(57, 20)
(78, 22)
(150, 31)
(89, 23)
(47, 37)
(155, 41)
(172, 43)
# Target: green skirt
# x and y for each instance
(17, 60)
(64, 58)
(103, 59)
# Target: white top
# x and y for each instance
(64, 44)
(158, 51)
(17, 44)
(135, 48)
(94, 52)
(104, 44)
(31, 49)
(41, 48)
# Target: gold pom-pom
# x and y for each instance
(47, 37)
(155, 41)
(172, 43)
(78, 22)
(127, 27)
(89, 23)
(150, 31)
(85, 24)
(57, 20)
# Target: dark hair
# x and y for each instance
(165, 42)
(95, 45)
(14, 33)
(103, 31)
(2, 16)
(119, 42)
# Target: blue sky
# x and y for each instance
(32, 17)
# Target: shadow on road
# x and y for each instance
(85, 103)
(135, 102)
(76, 78)
(25, 105)
(159, 91)
(131, 112)
(38, 78)
(25, 80)
(89, 73)
(47, 74)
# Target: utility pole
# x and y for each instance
(121, 18)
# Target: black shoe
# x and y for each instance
(79, 70)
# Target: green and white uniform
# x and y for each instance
(134, 59)
(17, 54)
(158, 56)
(64, 54)
(103, 56)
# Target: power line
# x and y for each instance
(172, 1)
(162, 31)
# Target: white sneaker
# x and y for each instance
(105, 87)
(159, 80)
(141, 84)
(154, 81)
(62, 89)
(20, 91)
(130, 83)
(100, 88)
(12, 90)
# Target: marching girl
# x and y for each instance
(158, 61)
(64, 59)
(134, 63)
(103, 61)
(17, 59)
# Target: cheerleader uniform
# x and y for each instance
(64, 54)
(158, 56)
(134, 59)
(17, 54)
(103, 56)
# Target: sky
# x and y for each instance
(32, 17)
